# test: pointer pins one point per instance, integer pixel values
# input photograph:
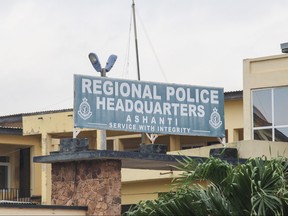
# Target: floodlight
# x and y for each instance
(284, 47)
(110, 62)
(95, 62)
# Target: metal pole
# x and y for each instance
(103, 72)
(136, 42)
(137, 56)
(101, 134)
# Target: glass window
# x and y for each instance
(270, 118)
(263, 134)
(281, 134)
(4, 159)
(281, 106)
(262, 108)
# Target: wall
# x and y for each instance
(139, 175)
(133, 192)
(36, 210)
(200, 152)
(246, 149)
(233, 118)
(54, 122)
(258, 148)
(262, 72)
(10, 146)
(93, 183)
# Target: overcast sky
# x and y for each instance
(44, 42)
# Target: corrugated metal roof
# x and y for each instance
(11, 130)
(19, 115)
(233, 95)
(11, 118)
(48, 112)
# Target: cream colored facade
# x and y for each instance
(234, 119)
(259, 73)
(40, 211)
(43, 131)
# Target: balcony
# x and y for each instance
(16, 195)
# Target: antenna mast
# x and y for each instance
(136, 42)
(137, 54)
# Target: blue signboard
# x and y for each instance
(150, 107)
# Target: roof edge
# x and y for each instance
(11, 131)
(233, 95)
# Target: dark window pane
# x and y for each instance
(4, 159)
(264, 134)
(281, 106)
(262, 108)
(3, 177)
(281, 134)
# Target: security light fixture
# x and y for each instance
(96, 63)
(110, 62)
(284, 47)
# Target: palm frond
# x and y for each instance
(257, 187)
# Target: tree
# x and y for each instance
(216, 187)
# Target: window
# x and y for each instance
(4, 172)
(270, 119)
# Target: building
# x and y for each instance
(255, 123)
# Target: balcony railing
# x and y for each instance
(15, 194)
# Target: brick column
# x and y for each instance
(92, 183)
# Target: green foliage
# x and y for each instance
(257, 187)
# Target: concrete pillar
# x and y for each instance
(118, 145)
(145, 139)
(175, 144)
(46, 170)
(93, 140)
(101, 140)
(35, 168)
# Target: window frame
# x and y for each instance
(272, 126)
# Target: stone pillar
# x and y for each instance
(92, 183)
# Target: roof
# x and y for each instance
(10, 130)
(233, 95)
(20, 115)
(11, 121)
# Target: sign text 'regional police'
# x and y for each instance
(116, 104)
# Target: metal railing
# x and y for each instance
(15, 194)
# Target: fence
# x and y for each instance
(15, 194)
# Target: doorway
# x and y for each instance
(25, 187)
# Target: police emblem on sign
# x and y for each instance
(215, 119)
(84, 109)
